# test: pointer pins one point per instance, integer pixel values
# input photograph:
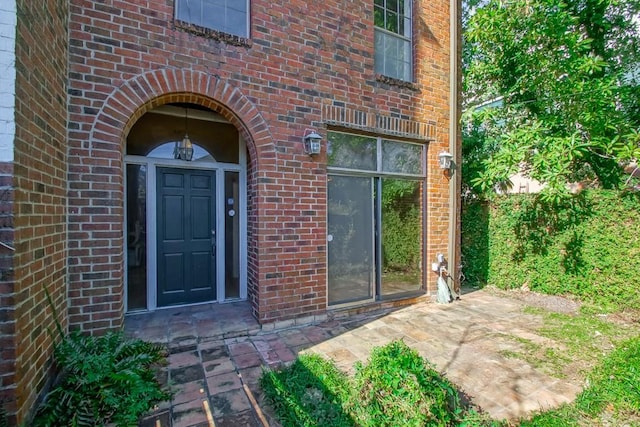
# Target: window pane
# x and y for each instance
(232, 234)
(136, 237)
(379, 52)
(378, 17)
(221, 15)
(351, 151)
(190, 11)
(402, 236)
(406, 27)
(393, 56)
(392, 60)
(392, 21)
(236, 23)
(166, 151)
(213, 16)
(392, 5)
(239, 5)
(399, 157)
(405, 66)
(350, 239)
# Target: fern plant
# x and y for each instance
(106, 379)
(3, 416)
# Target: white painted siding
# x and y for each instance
(8, 20)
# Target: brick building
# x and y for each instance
(153, 154)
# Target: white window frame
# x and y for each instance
(247, 28)
(407, 37)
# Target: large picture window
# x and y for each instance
(393, 51)
(227, 16)
(375, 209)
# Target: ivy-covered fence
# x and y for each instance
(588, 247)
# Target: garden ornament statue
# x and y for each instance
(446, 293)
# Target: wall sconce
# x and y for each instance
(311, 142)
(183, 150)
(445, 159)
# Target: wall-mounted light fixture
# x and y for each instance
(445, 159)
(311, 141)
(183, 150)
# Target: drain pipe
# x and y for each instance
(454, 181)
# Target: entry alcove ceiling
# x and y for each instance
(167, 124)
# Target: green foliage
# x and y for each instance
(3, 416)
(587, 247)
(615, 386)
(612, 398)
(567, 76)
(103, 379)
(398, 387)
(401, 223)
(475, 242)
(310, 392)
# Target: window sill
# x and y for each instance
(392, 81)
(212, 34)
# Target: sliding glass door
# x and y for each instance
(376, 218)
(350, 239)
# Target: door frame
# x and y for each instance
(151, 233)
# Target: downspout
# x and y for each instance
(454, 180)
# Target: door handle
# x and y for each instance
(213, 243)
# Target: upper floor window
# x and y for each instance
(227, 16)
(392, 19)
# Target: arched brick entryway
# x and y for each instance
(96, 188)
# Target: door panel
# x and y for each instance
(186, 236)
(351, 239)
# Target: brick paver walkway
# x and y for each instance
(215, 350)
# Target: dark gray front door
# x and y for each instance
(186, 236)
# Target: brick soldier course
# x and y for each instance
(87, 71)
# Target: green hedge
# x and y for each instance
(589, 247)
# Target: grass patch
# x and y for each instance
(576, 343)
(580, 342)
(395, 387)
(310, 392)
(612, 398)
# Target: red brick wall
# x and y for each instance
(39, 192)
(127, 57)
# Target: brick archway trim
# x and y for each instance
(96, 191)
(128, 102)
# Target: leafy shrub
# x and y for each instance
(398, 387)
(3, 416)
(310, 392)
(588, 247)
(475, 242)
(103, 379)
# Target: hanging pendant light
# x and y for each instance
(183, 150)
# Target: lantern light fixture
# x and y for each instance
(183, 150)
(445, 159)
(311, 141)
